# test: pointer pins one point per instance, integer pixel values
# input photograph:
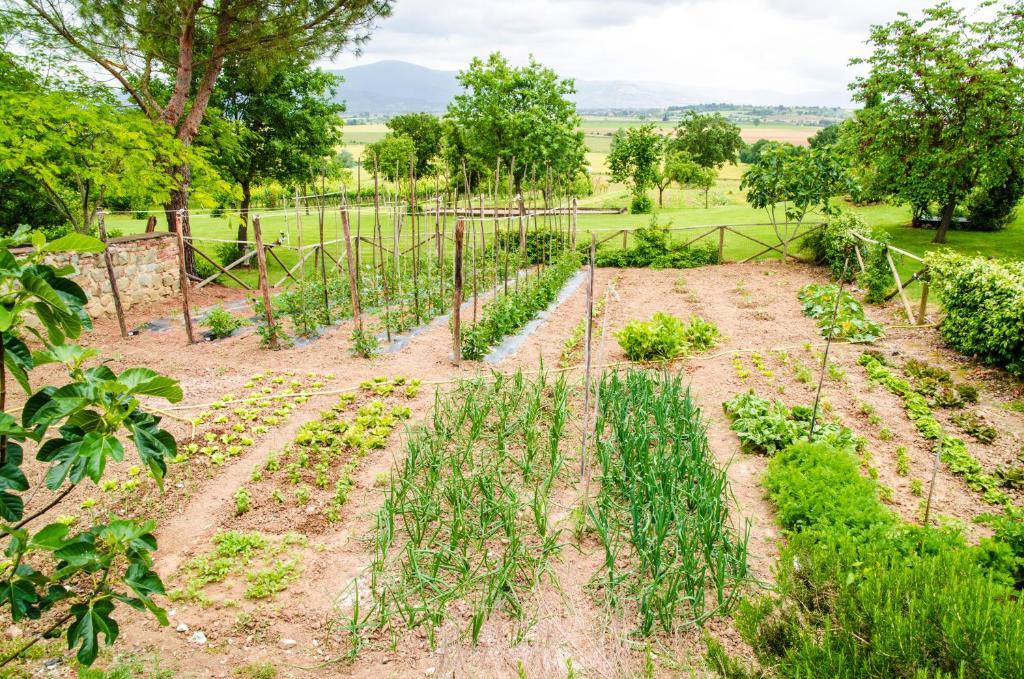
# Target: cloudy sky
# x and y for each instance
(789, 46)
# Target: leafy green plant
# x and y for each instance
(364, 343)
(819, 301)
(848, 559)
(509, 312)
(765, 426)
(652, 248)
(221, 322)
(71, 575)
(662, 512)
(242, 501)
(665, 337)
(975, 426)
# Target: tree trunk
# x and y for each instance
(179, 201)
(243, 222)
(705, 199)
(661, 192)
(947, 219)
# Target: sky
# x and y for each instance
(788, 46)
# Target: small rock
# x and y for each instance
(198, 638)
(182, 627)
(52, 664)
(315, 643)
(429, 671)
(311, 510)
(171, 613)
(287, 643)
(13, 632)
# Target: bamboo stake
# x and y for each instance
(323, 260)
(572, 224)
(359, 213)
(380, 240)
(899, 287)
(828, 345)
(923, 308)
(588, 333)
(416, 240)
(109, 261)
(261, 264)
(457, 297)
(186, 305)
(351, 261)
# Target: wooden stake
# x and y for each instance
(587, 336)
(186, 305)
(457, 297)
(323, 262)
(352, 280)
(923, 308)
(261, 264)
(721, 244)
(114, 291)
(572, 225)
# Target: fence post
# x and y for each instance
(572, 237)
(114, 291)
(923, 308)
(457, 297)
(625, 239)
(261, 265)
(721, 244)
(186, 305)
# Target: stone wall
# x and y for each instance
(146, 267)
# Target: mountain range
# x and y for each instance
(387, 87)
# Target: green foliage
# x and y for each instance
(57, 570)
(819, 301)
(634, 160)
(641, 205)
(657, 470)
(992, 208)
(542, 245)
(862, 594)
(833, 245)
(984, 303)
(364, 343)
(426, 133)
(221, 322)
(466, 525)
(952, 450)
(975, 426)
(765, 426)
(652, 248)
(801, 180)
(509, 312)
(708, 138)
(82, 151)
(392, 155)
(525, 113)
(751, 153)
(665, 337)
(943, 106)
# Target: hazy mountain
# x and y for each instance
(398, 86)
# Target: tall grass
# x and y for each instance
(466, 515)
(662, 511)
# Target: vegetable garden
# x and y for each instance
(742, 468)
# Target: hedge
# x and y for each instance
(984, 303)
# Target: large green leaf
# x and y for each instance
(51, 537)
(18, 360)
(43, 290)
(96, 448)
(91, 620)
(75, 242)
(12, 478)
(154, 445)
(21, 595)
(146, 382)
(12, 508)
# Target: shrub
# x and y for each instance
(641, 205)
(364, 343)
(833, 243)
(652, 248)
(850, 324)
(984, 303)
(229, 252)
(222, 322)
(993, 209)
(863, 595)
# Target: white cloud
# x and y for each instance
(788, 46)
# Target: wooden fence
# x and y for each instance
(919, 276)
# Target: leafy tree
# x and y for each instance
(74, 577)
(634, 159)
(799, 179)
(522, 113)
(680, 168)
(943, 105)
(277, 128)
(426, 132)
(393, 154)
(710, 139)
(751, 152)
(826, 136)
(80, 151)
(167, 56)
